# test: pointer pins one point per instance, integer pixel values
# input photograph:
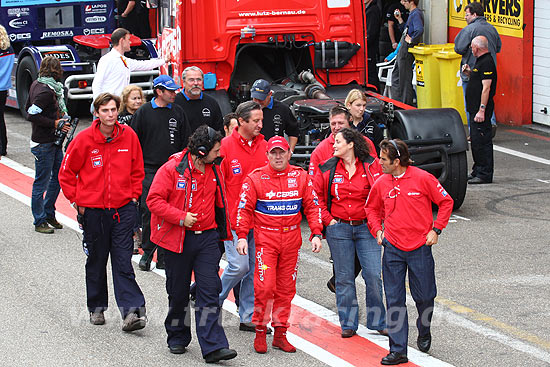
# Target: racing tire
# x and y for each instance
(457, 178)
(26, 74)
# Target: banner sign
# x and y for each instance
(505, 15)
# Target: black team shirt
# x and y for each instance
(278, 120)
(162, 131)
(483, 69)
(204, 110)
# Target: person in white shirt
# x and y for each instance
(113, 69)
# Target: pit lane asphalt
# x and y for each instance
(491, 265)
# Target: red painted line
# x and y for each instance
(304, 324)
(531, 135)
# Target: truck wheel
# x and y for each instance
(26, 74)
(457, 178)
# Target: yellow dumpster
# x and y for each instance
(427, 77)
(451, 84)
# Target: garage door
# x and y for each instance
(541, 63)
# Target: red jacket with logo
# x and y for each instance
(168, 201)
(239, 159)
(325, 150)
(271, 200)
(100, 174)
(407, 204)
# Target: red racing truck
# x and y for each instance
(314, 52)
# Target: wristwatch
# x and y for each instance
(482, 106)
(317, 236)
(437, 231)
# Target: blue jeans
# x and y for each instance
(240, 268)
(493, 118)
(344, 241)
(47, 161)
(421, 267)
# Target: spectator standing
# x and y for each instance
(45, 110)
(189, 218)
(356, 103)
(477, 25)
(402, 200)
(162, 129)
(7, 57)
(479, 103)
(200, 108)
(389, 33)
(242, 152)
(101, 177)
(373, 18)
(113, 69)
(131, 99)
(134, 16)
(343, 185)
(413, 30)
(278, 119)
(277, 237)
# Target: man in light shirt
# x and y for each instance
(113, 69)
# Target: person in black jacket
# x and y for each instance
(373, 18)
(45, 110)
(162, 129)
(199, 107)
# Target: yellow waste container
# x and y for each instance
(427, 77)
(451, 84)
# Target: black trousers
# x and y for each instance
(201, 255)
(3, 133)
(482, 147)
(109, 232)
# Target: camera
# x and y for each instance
(60, 135)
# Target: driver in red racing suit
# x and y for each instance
(271, 198)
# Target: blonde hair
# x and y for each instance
(126, 94)
(4, 39)
(354, 95)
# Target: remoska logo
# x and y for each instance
(18, 23)
(95, 19)
(89, 31)
(284, 194)
(56, 34)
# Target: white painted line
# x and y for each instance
(543, 181)
(18, 167)
(521, 155)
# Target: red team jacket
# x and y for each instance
(168, 201)
(239, 159)
(271, 201)
(100, 174)
(407, 202)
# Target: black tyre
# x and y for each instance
(26, 74)
(457, 178)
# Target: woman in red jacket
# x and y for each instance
(343, 184)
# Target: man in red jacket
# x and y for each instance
(243, 151)
(189, 218)
(101, 176)
(270, 200)
(402, 199)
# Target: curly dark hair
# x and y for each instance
(396, 149)
(203, 140)
(360, 147)
(51, 67)
(475, 8)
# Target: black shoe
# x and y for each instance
(331, 285)
(424, 343)
(394, 358)
(220, 355)
(248, 326)
(470, 177)
(54, 223)
(145, 262)
(477, 181)
(177, 349)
